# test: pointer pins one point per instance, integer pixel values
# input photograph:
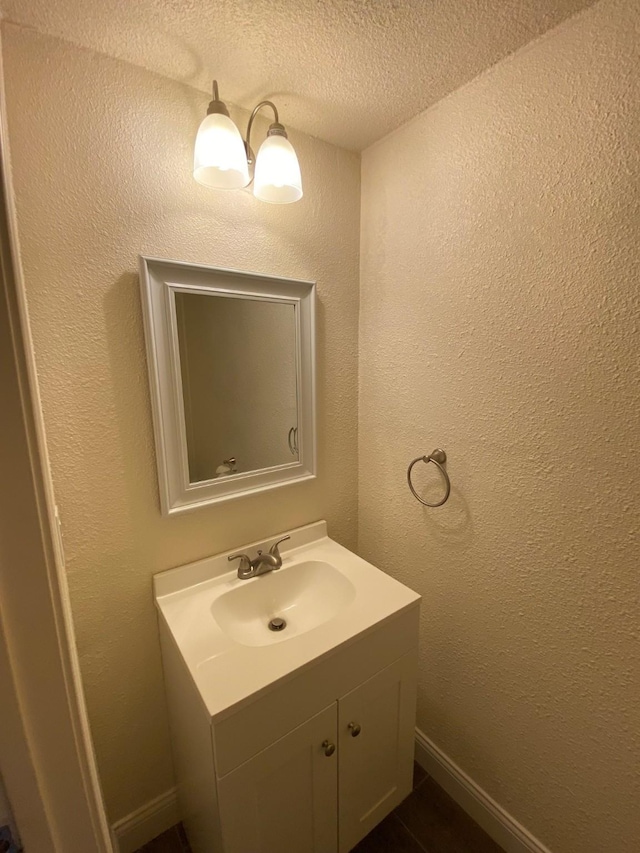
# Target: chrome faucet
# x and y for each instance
(262, 564)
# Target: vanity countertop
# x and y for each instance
(234, 664)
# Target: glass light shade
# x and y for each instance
(219, 158)
(277, 177)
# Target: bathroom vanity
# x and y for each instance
(299, 739)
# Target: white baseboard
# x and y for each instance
(150, 820)
(158, 815)
(496, 822)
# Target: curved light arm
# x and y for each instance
(250, 125)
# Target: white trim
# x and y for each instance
(160, 281)
(146, 823)
(492, 817)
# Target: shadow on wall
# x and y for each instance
(123, 324)
(454, 524)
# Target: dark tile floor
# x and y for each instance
(173, 840)
(428, 821)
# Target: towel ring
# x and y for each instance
(438, 457)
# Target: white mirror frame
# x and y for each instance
(160, 280)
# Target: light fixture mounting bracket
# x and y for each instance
(216, 105)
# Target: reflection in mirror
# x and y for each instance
(239, 383)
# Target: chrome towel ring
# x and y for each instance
(438, 457)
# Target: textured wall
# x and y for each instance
(500, 320)
(102, 167)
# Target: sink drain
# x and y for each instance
(277, 624)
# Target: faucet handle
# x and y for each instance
(275, 550)
(245, 564)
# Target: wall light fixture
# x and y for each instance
(222, 159)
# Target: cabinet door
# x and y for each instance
(286, 797)
(376, 734)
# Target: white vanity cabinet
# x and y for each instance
(285, 798)
(299, 743)
(310, 766)
(375, 765)
(323, 786)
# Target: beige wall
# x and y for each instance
(102, 167)
(500, 320)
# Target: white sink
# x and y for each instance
(303, 595)
(327, 596)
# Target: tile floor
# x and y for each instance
(428, 821)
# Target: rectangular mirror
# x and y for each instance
(231, 368)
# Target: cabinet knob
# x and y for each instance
(355, 729)
(329, 748)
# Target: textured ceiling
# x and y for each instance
(347, 71)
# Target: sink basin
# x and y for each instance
(304, 595)
(219, 625)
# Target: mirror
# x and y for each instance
(231, 369)
(236, 353)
